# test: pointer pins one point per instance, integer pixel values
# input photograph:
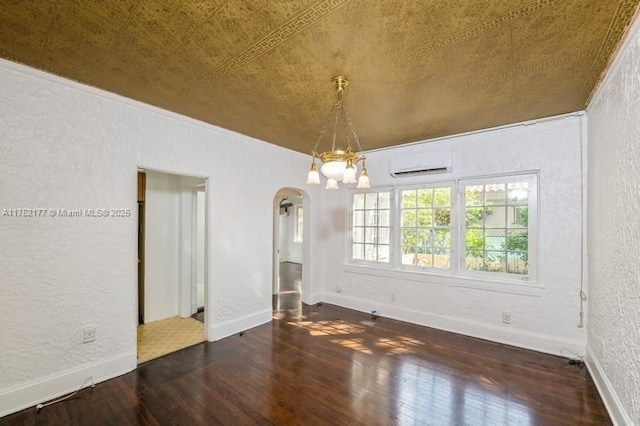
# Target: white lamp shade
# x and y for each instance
(334, 169)
(331, 184)
(313, 178)
(349, 175)
(363, 182)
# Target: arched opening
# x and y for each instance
(290, 252)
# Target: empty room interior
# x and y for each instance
(320, 212)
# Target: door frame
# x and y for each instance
(186, 237)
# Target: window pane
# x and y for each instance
(442, 217)
(408, 199)
(358, 235)
(474, 260)
(425, 260)
(409, 255)
(474, 239)
(358, 201)
(383, 253)
(494, 216)
(494, 239)
(371, 200)
(383, 217)
(371, 235)
(518, 240)
(474, 195)
(358, 251)
(370, 217)
(408, 218)
(425, 217)
(518, 193)
(495, 261)
(358, 218)
(370, 252)
(409, 236)
(383, 235)
(424, 237)
(495, 194)
(442, 197)
(384, 200)
(442, 258)
(474, 217)
(518, 217)
(517, 262)
(442, 238)
(425, 197)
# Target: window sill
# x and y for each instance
(512, 287)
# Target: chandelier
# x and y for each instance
(339, 165)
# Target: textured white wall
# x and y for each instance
(64, 145)
(614, 232)
(544, 318)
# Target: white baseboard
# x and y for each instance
(617, 412)
(514, 337)
(232, 326)
(27, 395)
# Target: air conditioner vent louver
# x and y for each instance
(427, 164)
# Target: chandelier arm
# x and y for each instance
(322, 132)
(335, 128)
(356, 139)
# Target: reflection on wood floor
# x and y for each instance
(287, 303)
(334, 366)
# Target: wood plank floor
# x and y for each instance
(335, 366)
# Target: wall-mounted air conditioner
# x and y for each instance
(423, 164)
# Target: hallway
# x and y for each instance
(287, 304)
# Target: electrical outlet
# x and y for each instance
(506, 317)
(338, 289)
(88, 334)
(393, 297)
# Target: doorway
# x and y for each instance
(289, 240)
(172, 262)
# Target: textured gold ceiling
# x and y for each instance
(417, 69)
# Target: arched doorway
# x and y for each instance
(290, 245)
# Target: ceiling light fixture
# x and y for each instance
(339, 165)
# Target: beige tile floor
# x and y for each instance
(159, 338)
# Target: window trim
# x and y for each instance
(350, 242)
(452, 229)
(532, 229)
(457, 273)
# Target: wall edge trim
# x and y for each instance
(519, 338)
(607, 392)
(25, 395)
(218, 331)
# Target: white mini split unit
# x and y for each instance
(423, 164)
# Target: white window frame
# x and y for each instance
(452, 229)
(457, 270)
(532, 180)
(350, 240)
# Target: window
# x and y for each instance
(299, 224)
(370, 219)
(426, 227)
(496, 225)
(483, 228)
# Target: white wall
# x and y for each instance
(65, 145)
(614, 234)
(542, 318)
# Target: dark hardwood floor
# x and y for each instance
(333, 366)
